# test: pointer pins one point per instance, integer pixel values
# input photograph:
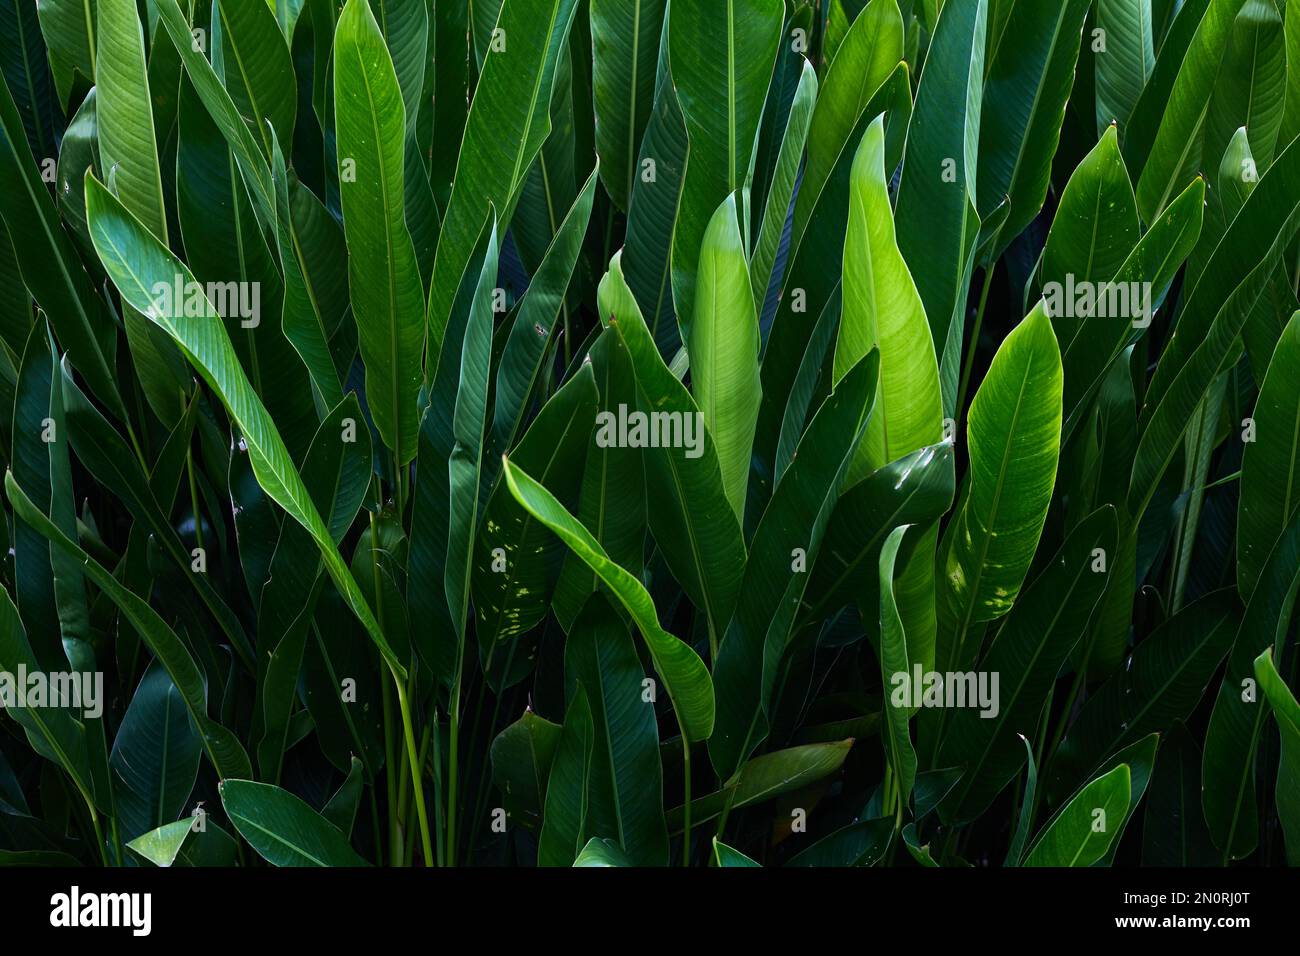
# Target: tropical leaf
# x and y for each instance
(720, 73)
(282, 828)
(384, 281)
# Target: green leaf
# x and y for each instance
(155, 756)
(724, 855)
(136, 261)
(127, 143)
(1084, 829)
(920, 851)
(384, 279)
(1094, 232)
(179, 844)
(722, 64)
(48, 261)
(336, 473)
(1176, 152)
(811, 281)
(868, 57)
(129, 153)
(521, 764)
(28, 75)
(612, 499)
(859, 844)
(1013, 434)
(30, 460)
(1031, 70)
(1028, 653)
(513, 598)
(465, 467)
(895, 662)
(508, 121)
(837, 26)
(1027, 805)
(916, 489)
(258, 69)
(103, 452)
(564, 821)
(1236, 274)
(1156, 259)
(535, 322)
(282, 829)
(222, 746)
(1270, 464)
(652, 210)
(765, 777)
(1237, 721)
(776, 208)
(405, 28)
(1173, 829)
(936, 209)
(723, 342)
(78, 152)
(1171, 49)
(342, 807)
(224, 245)
(1128, 60)
(786, 543)
(1141, 760)
(1287, 713)
(304, 319)
(626, 788)
(882, 310)
(809, 383)
(684, 675)
(1237, 176)
(601, 852)
(69, 30)
(624, 47)
(252, 164)
(689, 514)
(1212, 318)
(1251, 85)
(55, 733)
(1162, 682)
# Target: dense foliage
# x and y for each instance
(818, 432)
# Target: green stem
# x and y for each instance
(726, 811)
(686, 806)
(452, 756)
(390, 774)
(1081, 675)
(437, 789)
(117, 840)
(390, 757)
(135, 444)
(480, 803)
(974, 340)
(194, 499)
(94, 822)
(414, 758)
(374, 824)
(399, 489)
(1225, 480)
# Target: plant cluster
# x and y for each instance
(634, 432)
